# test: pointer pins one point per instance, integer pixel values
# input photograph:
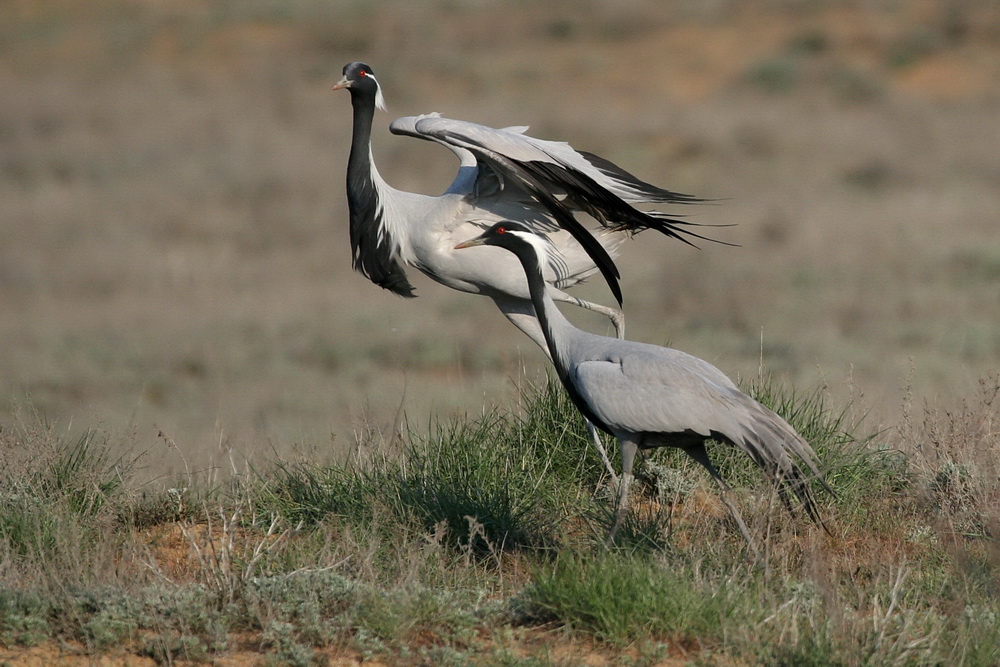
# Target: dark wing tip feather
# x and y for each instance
(669, 227)
(591, 245)
(613, 211)
(655, 193)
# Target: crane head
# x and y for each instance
(512, 236)
(360, 80)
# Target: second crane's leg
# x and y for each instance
(521, 314)
(595, 436)
(700, 454)
(629, 449)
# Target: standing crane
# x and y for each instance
(649, 396)
(503, 174)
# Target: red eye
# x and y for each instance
(362, 73)
(501, 230)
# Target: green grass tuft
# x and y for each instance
(621, 597)
(497, 483)
(58, 495)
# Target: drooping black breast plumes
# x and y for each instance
(373, 253)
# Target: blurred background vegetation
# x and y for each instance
(174, 258)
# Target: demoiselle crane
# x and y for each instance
(503, 174)
(649, 396)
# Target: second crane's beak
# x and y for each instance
(479, 240)
(343, 83)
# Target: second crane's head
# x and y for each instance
(513, 236)
(360, 80)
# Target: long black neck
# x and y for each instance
(373, 250)
(555, 327)
(359, 164)
(542, 303)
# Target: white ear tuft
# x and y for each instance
(379, 99)
(539, 242)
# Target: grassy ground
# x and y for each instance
(481, 542)
(177, 303)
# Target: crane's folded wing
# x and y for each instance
(665, 391)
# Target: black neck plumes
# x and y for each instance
(555, 327)
(373, 249)
(536, 288)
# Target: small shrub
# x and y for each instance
(324, 608)
(280, 636)
(24, 618)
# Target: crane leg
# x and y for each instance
(725, 494)
(700, 454)
(629, 449)
(595, 436)
(616, 316)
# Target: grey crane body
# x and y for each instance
(411, 229)
(650, 396)
(503, 174)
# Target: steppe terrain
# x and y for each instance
(174, 233)
(174, 259)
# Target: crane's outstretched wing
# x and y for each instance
(474, 139)
(566, 164)
(560, 178)
(591, 183)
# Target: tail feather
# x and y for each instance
(774, 446)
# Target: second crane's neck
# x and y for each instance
(555, 327)
(559, 333)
